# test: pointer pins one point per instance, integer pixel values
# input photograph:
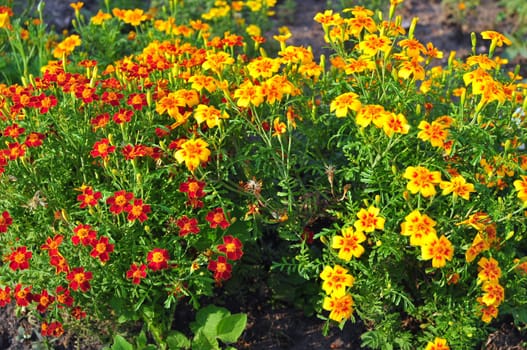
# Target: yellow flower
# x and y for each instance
(458, 186)
(372, 44)
(4, 20)
(395, 124)
(489, 269)
(422, 180)
(248, 93)
(340, 307)
(435, 132)
(193, 152)
(279, 127)
(134, 17)
(209, 114)
(521, 187)
(437, 344)
(494, 293)
(66, 46)
(349, 243)
(345, 102)
(336, 280)
(497, 38)
(371, 114)
(420, 228)
(369, 220)
(100, 17)
(439, 250)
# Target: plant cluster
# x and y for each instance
(132, 184)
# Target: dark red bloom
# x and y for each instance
(217, 218)
(5, 296)
(79, 279)
(119, 201)
(102, 148)
(137, 210)
(44, 300)
(136, 273)
(101, 249)
(231, 247)
(83, 235)
(157, 259)
(34, 139)
(13, 131)
(130, 152)
(221, 268)
(19, 258)
(88, 197)
(63, 297)
(22, 296)
(59, 262)
(187, 225)
(52, 329)
(137, 101)
(52, 244)
(78, 313)
(5, 221)
(100, 121)
(193, 188)
(123, 116)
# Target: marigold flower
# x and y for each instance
(209, 114)
(336, 280)
(435, 132)
(494, 293)
(263, 67)
(78, 313)
(88, 197)
(136, 273)
(65, 47)
(420, 228)
(439, 250)
(102, 148)
(137, 210)
(339, 306)
(345, 102)
(249, 94)
(83, 235)
(101, 249)
(488, 312)
(193, 152)
(158, 259)
(231, 247)
(5, 221)
(123, 116)
(372, 44)
(187, 225)
(15, 150)
(497, 38)
(100, 17)
(370, 114)
(137, 101)
(422, 180)
(349, 243)
(52, 329)
(458, 186)
(44, 300)
(521, 187)
(5, 296)
(59, 262)
(63, 296)
(34, 139)
(19, 258)
(52, 244)
(437, 344)
(134, 17)
(22, 296)
(369, 220)
(489, 270)
(217, 218)
(221, 268)
(79, 279)
(279, 127)
(395, 124)
(193, 188)
(14, 131)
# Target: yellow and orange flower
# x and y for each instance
(340, 307)
(439, 250)
(349, 243)
(193, 152)
(336, 280)
(422, 180)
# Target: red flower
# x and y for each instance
(79, 279)
(5, 296)
(217, 218)
(137, 101)
(187, 225)
(34, 139)
(83, 235)
(22, 296)
(19, 258)
(231, 247)
(44, 300)
(5, 221)
(86, 93)
(136, 273)
(112, 98)
(102, 149)
(123, 116)
(14, 150)
(44, 103)
(59, 262)
(157, 259)
(13, 131)
(52, 244)
(100, 121)
(137, 210)
(193, 188)
(130, 152)
(63, 297)
(101, 249)
(88, 197)
(78, 313)
(53, 329)
(221, 268)
(119, 201)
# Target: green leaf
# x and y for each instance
(119, 343)
(231, 327)
(207, 320)
(177, 340)
(202, 341)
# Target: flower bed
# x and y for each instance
(134, 184)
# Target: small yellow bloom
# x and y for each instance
(193, 152)
(458, 186)
(340, 307)
(336, 280)
(342, 104)
(369, 220)
(437, 344)
(349, 243)
(439, 250)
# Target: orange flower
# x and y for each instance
(478, 245)
(420, 228)
(221, 268)
(340, 307)
(279, 127)
(158, 259)
(497, 38)
(369, 220)
(79, 279)
(342, 104)
(422, 180)
(209, 114)
(458, 186)
(193, 152)
(521, 187)
(395, 124)
(489, 270)
(439, 250)
(494, 293)
(411, 68)
(436, 133)
(370, 114)
(134, 17)
(65, 47)
(437, 344)
(336, 280)
(100, 17)
(372, 44)
(217, 218)
(231, 247)
(349, 243)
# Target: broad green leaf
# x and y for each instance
(177, 340)
(231, 327)
(119, 343)
(201, 341)
(207, 320)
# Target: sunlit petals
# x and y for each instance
(344, 103)
(348, 243)
(440, 250)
